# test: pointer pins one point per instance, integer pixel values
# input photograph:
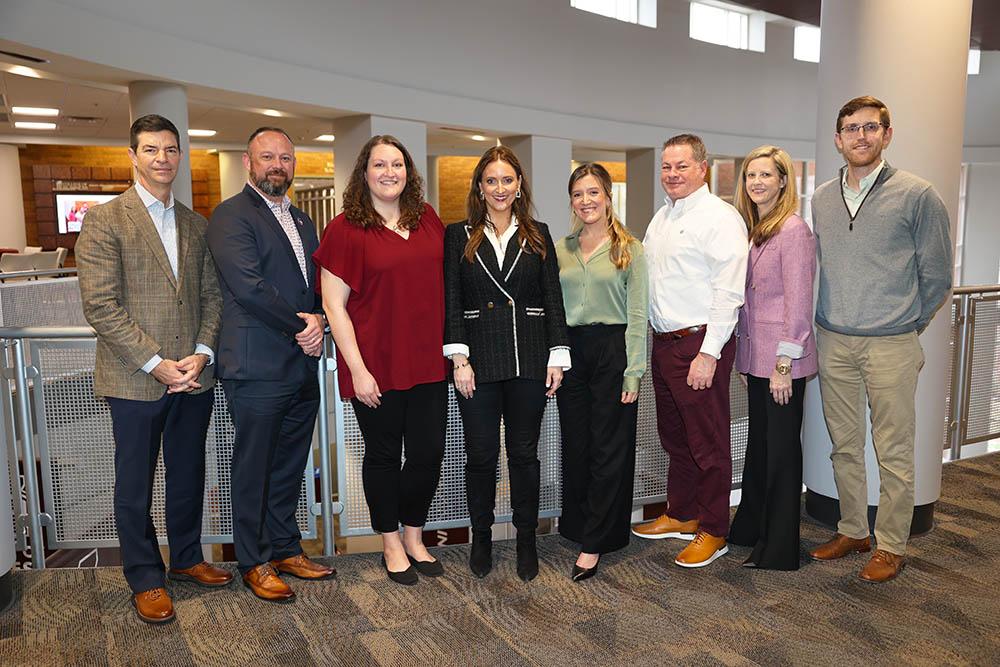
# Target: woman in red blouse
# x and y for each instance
(382, 282)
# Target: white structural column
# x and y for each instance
(353, 132)
(643, 191)
(431, 180)
(12, 233)
(547, 164)
(232, 173)
(170, 101)
(868, 49)
(980, 258)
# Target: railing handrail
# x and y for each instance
(38, 273)
(20, 333)
(975, 289)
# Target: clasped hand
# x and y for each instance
(180, 376)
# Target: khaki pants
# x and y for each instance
(886, 368)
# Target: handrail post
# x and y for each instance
(325, 472)
(959, 403)
(28, 457)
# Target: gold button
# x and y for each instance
(510, 302)
(489, 305)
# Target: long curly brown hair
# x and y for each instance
(358, 207)
(475, 206)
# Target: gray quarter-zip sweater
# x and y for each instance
(886, 270)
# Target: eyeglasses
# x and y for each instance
(868, 128)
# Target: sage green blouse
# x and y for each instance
(596, 292)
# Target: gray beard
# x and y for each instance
(272, 189)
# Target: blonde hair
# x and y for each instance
(788, 197)
(621, 255)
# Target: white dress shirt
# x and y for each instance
(696, 253)
(558, 356)
(166, 226)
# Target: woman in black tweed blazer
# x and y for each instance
(505, 332)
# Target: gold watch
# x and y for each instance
(783, 368)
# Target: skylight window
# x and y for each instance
(973, 61)
(716, 24)
(640, 12)
(806, 43)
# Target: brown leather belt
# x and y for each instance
(680, 333)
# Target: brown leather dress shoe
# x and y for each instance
(267, 585)
(663, 527)
(839, 546)
(154, 606)
(203, 573)
(300, 566)
(882, 567)
(704, 549)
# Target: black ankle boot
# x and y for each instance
(527, 556)
(481, 554)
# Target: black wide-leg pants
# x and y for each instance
(521, 402)
(770, 505)
(598, 441)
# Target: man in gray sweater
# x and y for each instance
(885, 268)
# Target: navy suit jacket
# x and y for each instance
(262, 290)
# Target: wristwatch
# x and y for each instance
(783, 368)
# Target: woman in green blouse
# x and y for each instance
(604, 283)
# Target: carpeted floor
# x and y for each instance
(640, 609)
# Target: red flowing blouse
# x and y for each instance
(396, 302)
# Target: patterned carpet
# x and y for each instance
(639, 610)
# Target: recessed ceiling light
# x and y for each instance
(201, 133)
(35, 111)
(477, 137)
(28, 125)
(21, 70)
(325, 137)
(272, 113)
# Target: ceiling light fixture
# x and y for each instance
(272, 113)
(21, 70)
(29, 125)
(201, 133)
(325, 137)
(477, 137)
(35, 111)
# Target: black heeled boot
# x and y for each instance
(527, 556)
(481, 554)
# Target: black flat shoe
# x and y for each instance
(407, 577)
(581, 573)
(481, 555)
(750, 563)
(527, 557)
(428, 568)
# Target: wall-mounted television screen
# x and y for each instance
(72, 207)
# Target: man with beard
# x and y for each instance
(885, 268)
(271, 335)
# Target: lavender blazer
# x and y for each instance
(779, 302)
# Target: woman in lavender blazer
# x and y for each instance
(776, 350)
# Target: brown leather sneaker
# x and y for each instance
(203, 573)
(267, 585)
(839, 546)
(704, 549)
(882, 567)
(300, 566)
(154, 606)
(663, 527)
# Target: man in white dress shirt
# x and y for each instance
(696, 251)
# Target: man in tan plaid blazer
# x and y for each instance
(150, 291)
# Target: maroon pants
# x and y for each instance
(694, 430)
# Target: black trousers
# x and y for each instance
(181, 421)
(417, 418)
(521, 402)
(274, 423)
(598, 441)
(770, 505)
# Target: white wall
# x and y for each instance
(981, 243)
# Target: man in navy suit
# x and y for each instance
(271, 336)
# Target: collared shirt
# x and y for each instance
(166, 226)
(696, 251)
(596, 291)
(853, 199)
(500, 243)
(282, 211)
